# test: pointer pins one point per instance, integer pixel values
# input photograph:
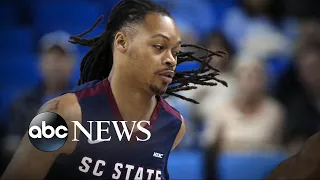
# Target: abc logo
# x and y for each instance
(48, 132)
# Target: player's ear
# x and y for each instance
(121, 42)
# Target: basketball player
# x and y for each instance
(304, 165)
(122, 77)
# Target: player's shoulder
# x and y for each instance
(312, 147)
(87, 85)
(88, 89)
(171, 110)
(66, 106)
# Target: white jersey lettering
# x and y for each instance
(120, 170)
(139, 174)
(85, 166)
(117, 174)
(96, 167)
(150, 173)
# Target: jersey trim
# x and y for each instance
(93, 89)
(171, 110)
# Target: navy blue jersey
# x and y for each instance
(118, 159)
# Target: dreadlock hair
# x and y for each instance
(97, 63)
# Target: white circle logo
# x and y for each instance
(48, 132)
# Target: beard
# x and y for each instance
(157, 90)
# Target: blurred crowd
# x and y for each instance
(271, 104)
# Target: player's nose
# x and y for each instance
(170, 61)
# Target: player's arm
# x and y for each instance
(31, 163)
(303, 165)
(181, 133)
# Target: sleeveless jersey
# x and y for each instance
(132, 160)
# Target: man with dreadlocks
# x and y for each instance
(123, 76)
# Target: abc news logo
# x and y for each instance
(48, 131)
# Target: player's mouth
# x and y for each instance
(166, 76)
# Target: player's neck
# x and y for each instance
(134, 104)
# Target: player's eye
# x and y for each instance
(158, 47)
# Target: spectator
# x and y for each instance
(255, 22)
(206, 95)
(299, 90)
(57, 59)
(306, 9)
(250, 120)
(212, 96)
(215, 42)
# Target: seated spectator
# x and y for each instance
(257, 21)
(206, 95)
(57, 58)
(299, 91)
(250, 120)
(209, 96)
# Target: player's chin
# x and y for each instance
(158, 89)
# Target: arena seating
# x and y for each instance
(8, 15)
(18, 65)
(188, 165)
(17, 40)
(248, 165)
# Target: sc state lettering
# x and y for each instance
(98, 166)
(128, 171)
(120, 170)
